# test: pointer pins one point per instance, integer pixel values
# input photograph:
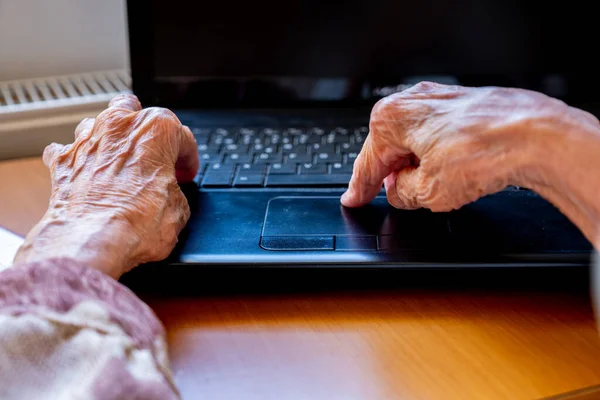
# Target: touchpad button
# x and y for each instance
(353, 243)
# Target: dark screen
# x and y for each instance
(313, 50)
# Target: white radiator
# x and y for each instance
(36, 112)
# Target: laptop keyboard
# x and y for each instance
(277, 157)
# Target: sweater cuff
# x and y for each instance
(60, 319)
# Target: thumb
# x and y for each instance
(188, 161)
(51, 152)
(402, 188)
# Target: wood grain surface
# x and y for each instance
(360, 342)
(24, 192)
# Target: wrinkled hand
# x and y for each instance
(441, 147)
(115, 189)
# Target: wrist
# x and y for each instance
(563, 166)
(99, 240)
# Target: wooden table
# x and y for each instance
(361, 343)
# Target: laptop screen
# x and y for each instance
(269, 53)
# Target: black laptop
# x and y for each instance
(278, 95)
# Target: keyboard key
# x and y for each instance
(279, 168)
(249, 180)
(310, 168)
(327, 157)
(332, 139)
(314, 139)
(350, 148)
(222, 132)
(323, 148)
(350, 157)
(303, 139)
(248, 131)
(270, 131)
(206, 157)
(221, 168)
(298, 148)
(216, 140)
(337, 180)
(268, 158)
(216, 179)
(337, 139)
(201, 139)
(359, 139)
(338, 167)
(316, 131)
(274, 139)
(294, 131)
(299, 158)
(258, 147)
(206, 148)
(247, 167)
(236, 158)
(201, 131)
(235, 148)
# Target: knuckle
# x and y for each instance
(394, 200)
(404, 202)
(85, 122)
(161, 119)
(49, 149)
(163, 251)
(51, 153)
(427, 193)
(162, 114)
(424, 189)
(425, 86)
(385, 106)
(436, 196)
(125, 101)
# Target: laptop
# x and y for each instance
(278, 96)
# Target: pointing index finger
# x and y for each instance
(367, 177)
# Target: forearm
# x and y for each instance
(68, 326)
(564, 168)
(98, 240)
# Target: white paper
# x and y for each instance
(9, 244)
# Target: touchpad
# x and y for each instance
(322, 223)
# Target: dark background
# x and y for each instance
(267, 51)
